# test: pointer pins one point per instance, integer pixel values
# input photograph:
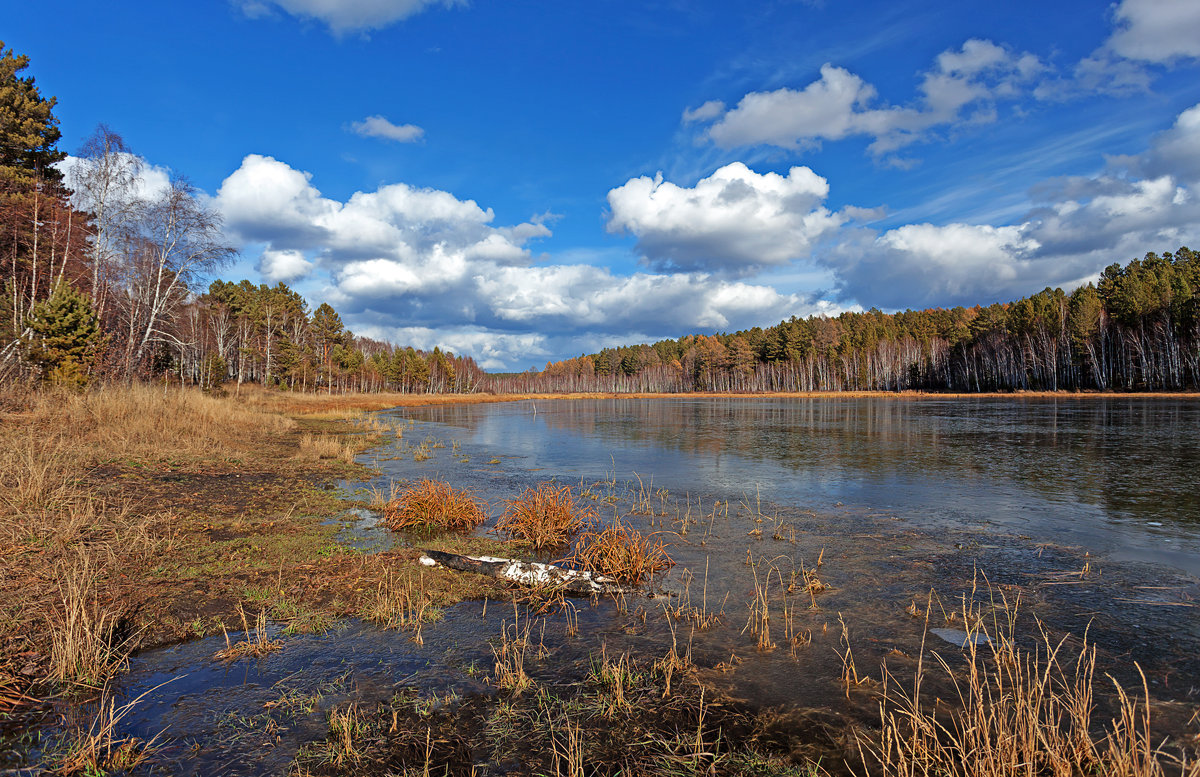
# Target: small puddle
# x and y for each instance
(363, 530)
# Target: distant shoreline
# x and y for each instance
(319, 403)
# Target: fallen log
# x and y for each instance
(530, 573)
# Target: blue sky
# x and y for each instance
(522, 182)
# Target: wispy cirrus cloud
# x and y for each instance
(345, 16)
(379, 127)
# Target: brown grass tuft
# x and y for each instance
(435, 504)
(621, 552)
(402, 603)
(86, 645)
(544, 517)
(256, 643)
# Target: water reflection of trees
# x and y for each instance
(1133, 458)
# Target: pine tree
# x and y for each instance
(28, 128)
(64, 336)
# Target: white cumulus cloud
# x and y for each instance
(734, 221)
(964, 86)
(284, 266)
(422, 266)
(1157, 30)
(1075, 227)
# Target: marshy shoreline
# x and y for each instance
(149, 516)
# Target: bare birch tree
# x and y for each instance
(178, 241)
(104, 181)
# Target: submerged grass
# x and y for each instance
(434, 504)
(618, 718)
(99, 749)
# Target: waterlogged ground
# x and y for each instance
(815, 539)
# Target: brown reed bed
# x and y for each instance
(544, 517)
(1014, 711)
(434, 504)
(620, 551)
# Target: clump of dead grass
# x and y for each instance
(256, 643)
(434, 504)
(620, 551)
(1014, 712)
(11, 693)
(323, 447)
(544, 517)
(87, 640)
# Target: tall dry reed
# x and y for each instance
(87, 640)
(1016, 712)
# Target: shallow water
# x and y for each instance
(1088, 509)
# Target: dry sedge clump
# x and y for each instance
(256, 644)
(432, 503)
(620, 551)
(544, 517)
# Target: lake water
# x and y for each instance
(1087, 509)
(1120, 476)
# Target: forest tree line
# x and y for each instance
(1137, 328)
(102, 279)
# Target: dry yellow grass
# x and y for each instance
(544, 517)
(146, 420)
(72, 539)
(621, 552)
(324, 447)
(434, 504)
